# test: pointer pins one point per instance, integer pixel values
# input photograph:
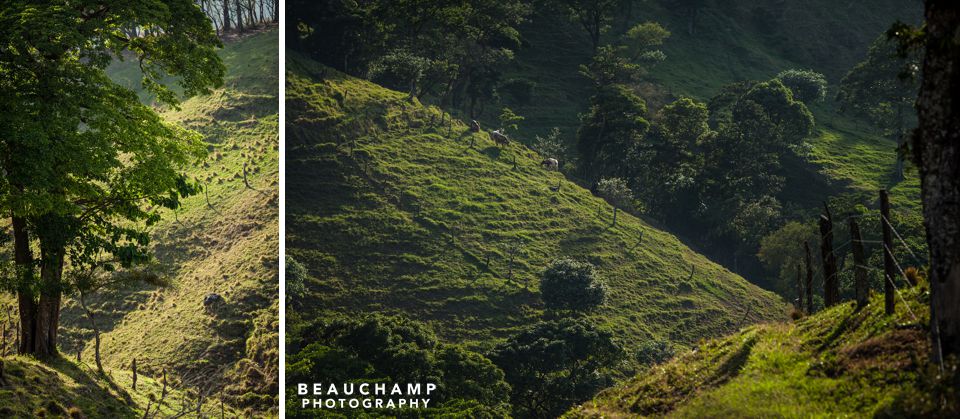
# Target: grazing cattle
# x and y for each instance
(550, 164)
(499, 138)
(212, 301)
(474, 126)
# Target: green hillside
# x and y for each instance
(838, 363)
(222, 241)
(62, 388)
(394, 209)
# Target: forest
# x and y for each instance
(618, 208)
(139, 180)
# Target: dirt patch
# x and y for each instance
(897, 350)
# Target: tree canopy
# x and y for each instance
(88, 165)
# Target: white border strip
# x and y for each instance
(283, 224)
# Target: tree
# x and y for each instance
(571, 285)
(551, 145)
(936, 147)
(509, 121)
(594, 16)
(296, 279)
(471, 376)
(616, 192)
(610, 131)
(653, 352)
(379, 348)
(643, 40)
(791, 120)
(882, 88)
(465, 43)
(628, 60)
(781, 251)
(555, 364)
(807, 86)
(87, 164)
(400, 69)
(670, 158)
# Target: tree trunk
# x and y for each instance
(48, 309)
(239, 16)
(937, 154)
(226, 16)
(859, 262)
(96, 332)
(26, 301)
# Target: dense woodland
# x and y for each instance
(739, 170)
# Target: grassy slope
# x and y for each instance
(837, 363)
(229, 248)
(62, 388)
(391, 211)
(733, 41)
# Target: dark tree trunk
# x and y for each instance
(48, 308)
(799, 304)
(27, 304)
(226, 16)
(239, 16)
(859, 262)
(937, 154)
(831, 292)
(888, 267)
(39, 319)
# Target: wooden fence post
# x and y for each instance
(831, 294)
(860, 265)
(799, 304)
(888, 264)
(806, 248)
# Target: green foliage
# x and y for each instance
(555, 364)
(883, 87)
(791, 121)
(296, 277)
(654, 352)
(642, 40)
(452, 50)
(615, 191)
(552, 145)
(571, 285)
(610, 131)
(399, 69)
(807, 86)
(509, 121)
(381, 348)
(594, 16)
(670, 159)
(94, 166)
(782, 251)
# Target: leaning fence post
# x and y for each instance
(888, 264)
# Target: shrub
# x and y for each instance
(571, 285)
(655, 352)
